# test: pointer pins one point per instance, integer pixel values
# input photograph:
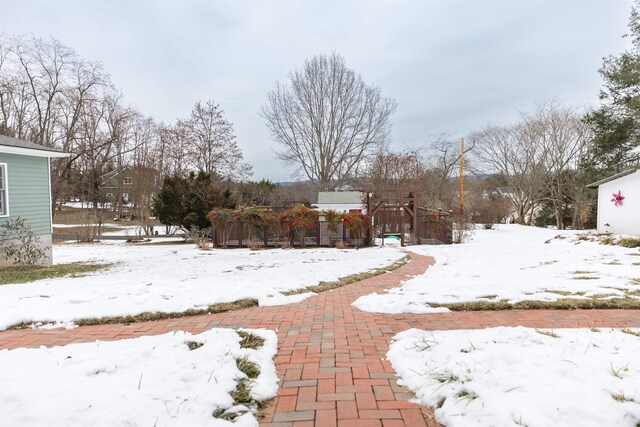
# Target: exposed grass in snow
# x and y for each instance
(561, 304)
(154, 282)
(82, 229)
(352, 278)
(522, 376)
(154, 316)
(16, 275)
(175, 379)
(250, 340)
(518, 268)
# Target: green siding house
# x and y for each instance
(25, 188)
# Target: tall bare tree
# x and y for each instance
(327, 120)
(210, 142)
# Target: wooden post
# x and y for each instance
(461, 175)
(401, 227)
(318, 233)
(239, 234)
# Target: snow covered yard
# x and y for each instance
(515, 263)
(175, 278)
(522, 376)
(175, 379)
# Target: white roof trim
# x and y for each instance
(30, 152)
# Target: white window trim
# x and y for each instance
(6, 189)
(127, 180)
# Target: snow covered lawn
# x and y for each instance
(147, 381)
(522, 376)
(514, 263)
(174, 278)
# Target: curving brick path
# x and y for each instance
(331, 356)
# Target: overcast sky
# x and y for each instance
(452, 66)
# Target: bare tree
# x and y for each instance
(210, 142)
(393, 170)
(327, 120)
(518, 155)
(537, 157)
(564, 135)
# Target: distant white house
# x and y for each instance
(341, 201)
(619, 201)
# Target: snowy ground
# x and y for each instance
(147, 381)
(520, 376)
(514, 263)
(172, 278)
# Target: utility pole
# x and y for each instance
(461, 175)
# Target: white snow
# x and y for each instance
(519, 376)
(147, 381)
(172, 278)
(513, 263)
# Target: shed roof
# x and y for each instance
(612, 178)
(18, 146)
(340, 197)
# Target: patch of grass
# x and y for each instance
(630, 332)
(548, 333)
(616, 372)
(564, 293)
(561, 304)
(583, 272)
(614, 262)
(193, 345)
(250, 340)
(445, 377)
(82, 229)
(14, 275)
(352, 278)
(585, 278)
(635, 263)
(465, 394)
(156, 315)
(602, 296)
(629, 242)
(620, 397)
(488, 296)
(242, 394)
(248, 368)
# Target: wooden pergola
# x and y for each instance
(397, 200)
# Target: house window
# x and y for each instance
(4, 197)
(109, 195)
(125, 197)
(128, 180)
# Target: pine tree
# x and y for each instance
(616, 124)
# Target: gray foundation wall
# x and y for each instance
(45, 243)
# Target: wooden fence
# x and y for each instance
(241, 235)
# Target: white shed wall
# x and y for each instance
(623, 219)
(340, 207)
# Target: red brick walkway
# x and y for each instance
(331, 355)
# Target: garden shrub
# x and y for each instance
(24, 246)
(356, 223)
(301, 220)
(333, 219)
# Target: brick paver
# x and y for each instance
(331, 356)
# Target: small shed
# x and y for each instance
(619, 203)
(341, 201)
(25, 189)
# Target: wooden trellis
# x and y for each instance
(393, 206)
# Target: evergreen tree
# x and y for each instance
(186, 202)
(616, 124)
